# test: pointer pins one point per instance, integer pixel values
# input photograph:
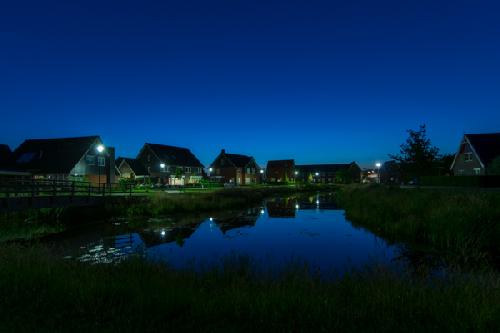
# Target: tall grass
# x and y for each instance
(464, 223)
(41, 293)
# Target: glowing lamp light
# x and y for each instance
(317, 202)
(211, 219)
(162, 165)
(261, 171)
(210, 169)
(100, 148)
(297, 206)
(296, 173)
(262, 211)
(378, 165)
(163, 232)
(317, 173)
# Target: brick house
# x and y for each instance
(475, 154)
(235, 169)
(80, 158)
(131, 169)
(278, 171)
(328, 173)
(170, 165)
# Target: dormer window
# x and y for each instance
(468, 157)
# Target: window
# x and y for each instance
(468, 157)
(90, 159)
(188, 169)
(477, 171)
(101, 161)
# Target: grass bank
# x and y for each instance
(41, 293)
(465, 224)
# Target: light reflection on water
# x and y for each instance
(308, 230)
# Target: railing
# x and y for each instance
(52, 188)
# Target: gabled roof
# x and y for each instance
(137, 167)
(239, 161)
(52, 155)
(175, 155)
(305, 168)
(280, 164)
(486, 146)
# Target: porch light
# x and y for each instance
(100, 148)
(162, 165)
(317, 174)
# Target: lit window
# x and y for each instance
(477, 171)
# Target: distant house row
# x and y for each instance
(89, 159)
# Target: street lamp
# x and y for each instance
(378, 165)
(100, 149)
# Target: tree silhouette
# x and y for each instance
(417, 156)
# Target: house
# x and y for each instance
(131, 169)
(170, 165)
(475, 154)
(390, 173)
(5, 157)
(235, 169)
(329, 173)
(278, 171)
(80, 158)
(8, 170)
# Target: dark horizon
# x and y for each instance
(317, 81)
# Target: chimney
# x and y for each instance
(223, 151)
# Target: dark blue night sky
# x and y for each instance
(318, 81)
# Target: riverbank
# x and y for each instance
(465, 225)
(42, 293)
(34, 223)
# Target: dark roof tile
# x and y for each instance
(487, 146)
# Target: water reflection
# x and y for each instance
(307, 229)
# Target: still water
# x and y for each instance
(307, 230)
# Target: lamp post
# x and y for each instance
(100, 149)
(378, 165)
(162, 169)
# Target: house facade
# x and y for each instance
(329, 173)
(475, 154)
(235, 169)
(278, 171)
(79, 158)
(170, 165)
(131, 169)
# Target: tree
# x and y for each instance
(417, 156)
(494, 168)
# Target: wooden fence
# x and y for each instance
(53, 188)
